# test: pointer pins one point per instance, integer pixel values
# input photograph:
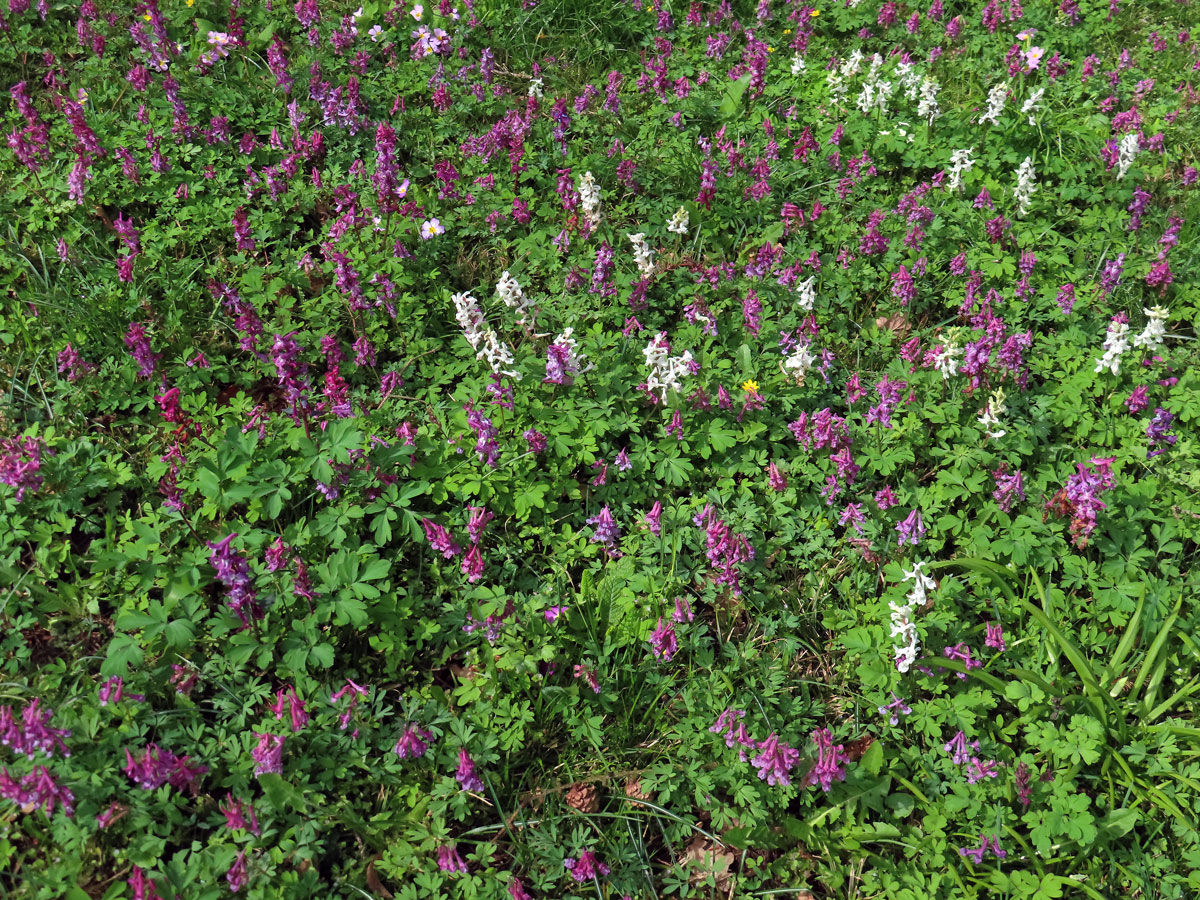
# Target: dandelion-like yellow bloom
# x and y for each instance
(750, 386)
(815, 12)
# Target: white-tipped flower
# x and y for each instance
(589, 197)
(1026, 186)
(1116, 342)
(797, 64)
(512, 295)
(665, 370)
(995, 104)
(960, 161)
(1156, 327)
(642, 254)
(1033, 104)
(805, 295)
(679, 222)
(1126, 151)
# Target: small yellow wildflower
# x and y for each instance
(815, 12)
(191, 3)
(751, 386)
(146, 17)
(787, 31)
(770, 49)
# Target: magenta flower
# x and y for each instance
(830, 760)
(448, 859)
(776, 761)
(268, 754)
(237, 876)
(295, 707)
(138, 343)
(995, 636)
(466, 772)
(235, 812)
(32, 734)
(37, 790)
(663, 643)
(142, 885)
(607, 532)
(911, 529)
(413, 742)
(986, 844)
(895, 709)
(958, 746)
(586, 867)
(439, 538)
(653, 518)
(156, 767)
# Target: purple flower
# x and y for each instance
(895, 709)
(911, 529)
(1009, 487)
(979, 769)
(653, 518)
(535, 440)
(1137, 401)
(957, 748)
(466, 772)
(32, 734)
(237, 876)
(607, 532)
(448, 859)
(20, 463)
(73, 365)
(775, 478)
(683, 611)
(413, 742)
(587, 867)
(1159, 432)
(986, 844)
(995, 636)
(439, 538)
(830, 760)
(233, 571)
(472, 564)
(731, 725)
(37, 790)
(292, 372)
(355, 692)
(268, 754)
(156, 767)
(486, 445)
(662, 641)
(776, 761)
(139, 348)
(554, 612)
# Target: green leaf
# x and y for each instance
(872, 760)
(732, 99)
(282, 795)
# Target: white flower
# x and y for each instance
(470, 317)
(1116, 342)
(797, 64)
(995, 101)
(928, 107)
(514, 298)
(837, 87)
(1126, 151)
(806, 296)
(431, 228)
(665, 370)
(1156, 327)
(799, 362)
(642, 254)
(1033, 104)
(852, 64)
(946, 360)
(960, 161)
(902, 624)
(375, 31)
(589, 196)
(679, 222)
(1026, 186)
(990, 415)
(498, 355)
(535, 88)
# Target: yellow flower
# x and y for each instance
(146, 17)
(750, 386)
(815, 12)
(787, 31)
(191, 3)
(770, 49)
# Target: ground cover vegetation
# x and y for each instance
(575, 449)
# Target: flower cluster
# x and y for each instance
(903, 626)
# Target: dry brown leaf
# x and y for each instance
(705, 858)
(373, 882)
